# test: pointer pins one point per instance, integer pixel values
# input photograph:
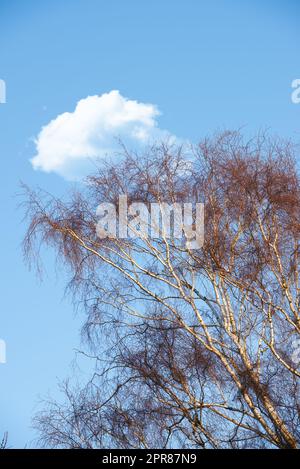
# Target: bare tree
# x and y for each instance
(193, 347)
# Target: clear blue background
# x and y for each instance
(208, 65)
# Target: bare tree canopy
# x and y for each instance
(194, 347)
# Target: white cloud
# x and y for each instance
(69, 143)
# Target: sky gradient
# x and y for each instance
(205, 66)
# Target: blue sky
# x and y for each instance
(205, 65)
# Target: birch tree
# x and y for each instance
(193, 348)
